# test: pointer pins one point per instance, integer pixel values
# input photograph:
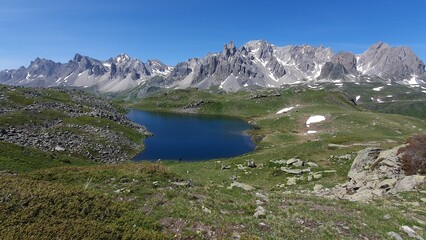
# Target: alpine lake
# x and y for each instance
(190, 137)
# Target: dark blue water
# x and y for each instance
(191, 137)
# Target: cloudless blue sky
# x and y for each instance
(175, 30)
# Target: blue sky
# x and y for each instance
(175, 30)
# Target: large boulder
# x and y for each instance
(373, 174)
(364, 158)
(409, 183)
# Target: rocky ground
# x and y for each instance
(374, 173)
(74, 125)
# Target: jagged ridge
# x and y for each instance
(256, 63)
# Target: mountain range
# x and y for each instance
(255, 64)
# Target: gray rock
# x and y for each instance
(262, 196)
(292, 161)
(244, 186)
(225, 167)
(395, 236)
(251, 164)
(291, 181)
(364, 158)
(411, 233)
(387, 183)
(409, 183)
(312, 164)
(291, 171)
(260, 212)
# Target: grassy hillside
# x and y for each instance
(347, 129)
(195, 200)
(384, 98)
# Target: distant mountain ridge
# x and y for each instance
(256, 63)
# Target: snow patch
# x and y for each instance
(81, 73)
(314, 119)
(317, 71)
(379, 100)
(357, 98)
(285, 110)
(378, 89)
(68, 76)
(423, 91)
(389, 96)
(293, 83)
(411, 81)
(221, 84)
(311, 132)
(272, 76)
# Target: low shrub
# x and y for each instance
(414, 155)
(32, 209)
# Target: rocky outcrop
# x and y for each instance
(57, 135)
(341, 64)
(374, 173)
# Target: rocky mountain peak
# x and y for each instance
(122, 58)
(379, 45)
(229, 49)
(77, 57)
(390, 62)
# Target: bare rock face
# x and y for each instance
(393, 62)
(341, 64)
(363, 159)
(333, 71)
(347, 59)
